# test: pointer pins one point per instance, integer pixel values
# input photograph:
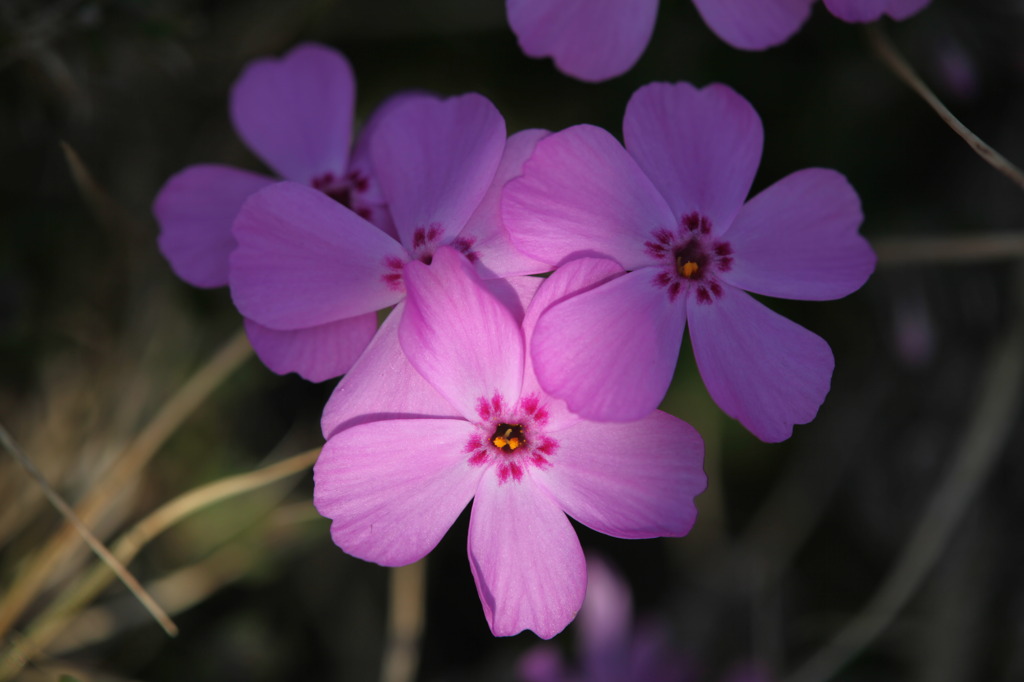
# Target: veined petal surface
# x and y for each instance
(610, 352)
(304, 260)
(582, 194)
(435, 160)
(700, 147)
(526, 559)
(463, 341)
(393, 488)
(315, 353)
(761, 368)
(195, 209)
(592, 40)
(754, 24)
(799, 239)
(634, 480)
(296, 112)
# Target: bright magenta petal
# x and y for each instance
(592, 40)
(634, 480)
(754, 24)
(700, 148)
(382, 385)
(610, 351)
(304, 260)
(526, 559)
(484, 235)
(463, 341)
(296, 112)
(761, 368)
(799, 239)
(195, 209)
(394, 488)
(435, 160)
(316, 353)
(582, 194)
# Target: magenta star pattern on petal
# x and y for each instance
(670, 208)
(500, 441)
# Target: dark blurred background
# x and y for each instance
(793, 538)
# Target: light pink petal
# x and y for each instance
(304, 260)
(700, 147)
(857, 11)
(592, 40)
(582, 194)
(799, 239)
(526, 559)
(574, 277)
(393, 488)
(435, 160)
(761, 368)
(464, 342)
(904, 9)
(610, 352)
(757, 24)
(195, 209)
(382, 385)
(296, 112)
(605, 625)
(484, 235)
(316, 353)
(634, 480)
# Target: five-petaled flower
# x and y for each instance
(671, 211)
(394, 483)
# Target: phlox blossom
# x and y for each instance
(595, 40)
(669, 207)
(295, 113)
(306, 264)
(394, 484)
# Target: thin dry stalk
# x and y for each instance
(406, 616)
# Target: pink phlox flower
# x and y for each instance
(295, 113)
(594, 40)
(669, 207)
(394, 486)
(308, 265)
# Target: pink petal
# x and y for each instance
(581, 194)
(296, 112)
(574, 277)
(304, 260)
(592, 40)
(634, 480)
(857, 11)
(195, 209)
(754, 24)
(393, 488)
(526, 559)
(315, 353)
(382, 385)
(435, 160)
(761, 368)
(798, 239)
(484, 233)
(700, 148)
(605, 626)
(463, 341)
(610, 351)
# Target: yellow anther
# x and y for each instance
(513, 443)
(500, 442)
(690, 269)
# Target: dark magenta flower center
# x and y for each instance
(346, 189)
(425, 241)
(690, 259)
(511, 437)
(508, 437)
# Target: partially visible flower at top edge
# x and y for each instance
(670, 208)
(594, 40)
(305, 264)
(295, 113)
(488, 433)
(610, 648)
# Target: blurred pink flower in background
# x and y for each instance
(669, 207)
(594, 40)
(393, 487)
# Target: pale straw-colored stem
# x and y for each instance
(954, 250)
(406, 616)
